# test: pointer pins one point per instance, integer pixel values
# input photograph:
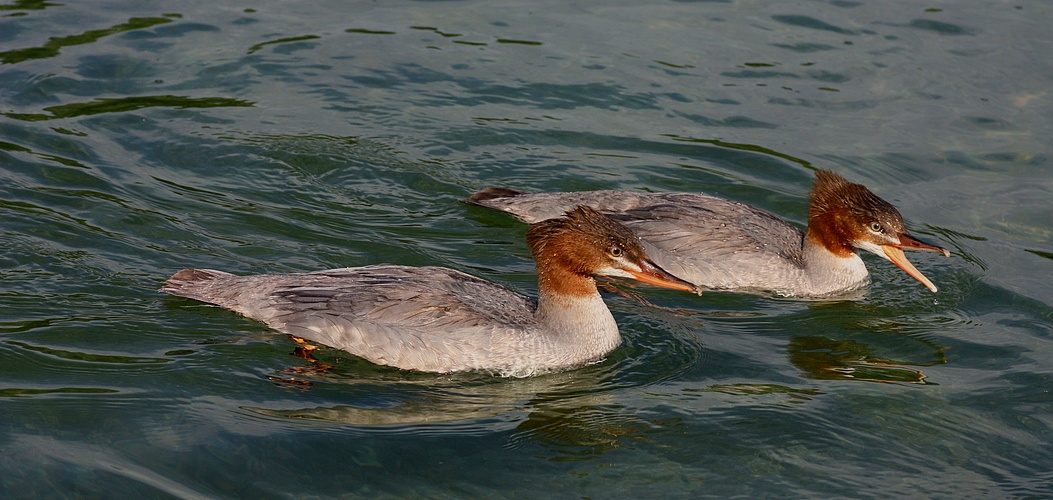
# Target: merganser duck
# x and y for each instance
(435, 319)
(718, 244)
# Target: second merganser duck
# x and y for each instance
(436, 319)
(719, 244)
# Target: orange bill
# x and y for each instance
(908, 241)
(895, 254)
(653, 275)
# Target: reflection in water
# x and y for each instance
(412, 399)
(369, 32)
(717, 401)
(15, 148)
(812, 23)
(437, 31)
(17, 392)
(86, 460)
(582, 432)
(793, 394)
(54, 45)
(292, 39)
(86, 356)
(125, 104)
(742, 147)
(827, 359)
(28, 5)
(364, 141)
(570, 413)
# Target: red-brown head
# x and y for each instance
(843, 216)
(584, 243)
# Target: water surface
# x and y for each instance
(140, 138)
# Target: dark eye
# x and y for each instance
(615, 251)
(876, 227)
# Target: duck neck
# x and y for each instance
(831, 270)
(570, 307)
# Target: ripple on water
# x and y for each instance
(136, 142)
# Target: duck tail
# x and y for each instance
(492, 193)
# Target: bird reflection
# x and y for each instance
(575, 414)
(828, 359)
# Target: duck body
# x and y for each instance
(720, 244)
(436, 319)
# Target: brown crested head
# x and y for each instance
(842, 214)
(583, 243)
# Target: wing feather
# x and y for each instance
(692, 236)
(383, 313)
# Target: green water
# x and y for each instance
(138, 138)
